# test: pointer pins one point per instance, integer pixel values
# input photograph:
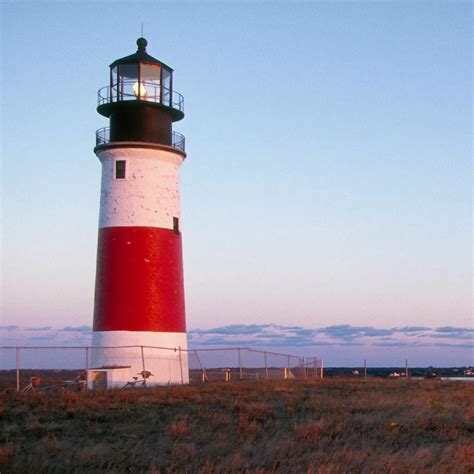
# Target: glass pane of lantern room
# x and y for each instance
(166, 87)
(150, 78)
(128, 81)
(114, 84)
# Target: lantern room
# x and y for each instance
(140, 76)
(140, 101)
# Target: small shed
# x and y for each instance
(112, 376)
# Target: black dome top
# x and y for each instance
(142, 43)
(140, 56)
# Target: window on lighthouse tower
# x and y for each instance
(176, 225)
(120, 169)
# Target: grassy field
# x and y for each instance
(331, 426)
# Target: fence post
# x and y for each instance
(266, 367)
(17, 369)
(204, 373)
(87, 357)
(240, 365)
(143, 358)
(322, 370)
(181, 365)
(365, 369)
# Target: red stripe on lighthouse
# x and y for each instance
(139, 285)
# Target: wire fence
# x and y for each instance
(19, 365)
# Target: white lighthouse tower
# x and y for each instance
(139, 295)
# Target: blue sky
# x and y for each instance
(328, 179)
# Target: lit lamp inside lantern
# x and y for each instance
(139, 90)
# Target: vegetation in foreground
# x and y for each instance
(330, 426)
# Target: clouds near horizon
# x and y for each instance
(268, 335)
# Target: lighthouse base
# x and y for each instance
(162, 354)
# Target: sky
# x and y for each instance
(328, 179)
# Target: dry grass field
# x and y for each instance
(331, 426)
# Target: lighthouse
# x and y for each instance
(139, 315)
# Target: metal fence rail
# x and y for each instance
(18, 363)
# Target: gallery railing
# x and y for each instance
(161, 136)
(143, 91)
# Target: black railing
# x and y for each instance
(160, 136)
(144, 91)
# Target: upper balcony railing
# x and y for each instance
(163, 137)
(143, 91)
